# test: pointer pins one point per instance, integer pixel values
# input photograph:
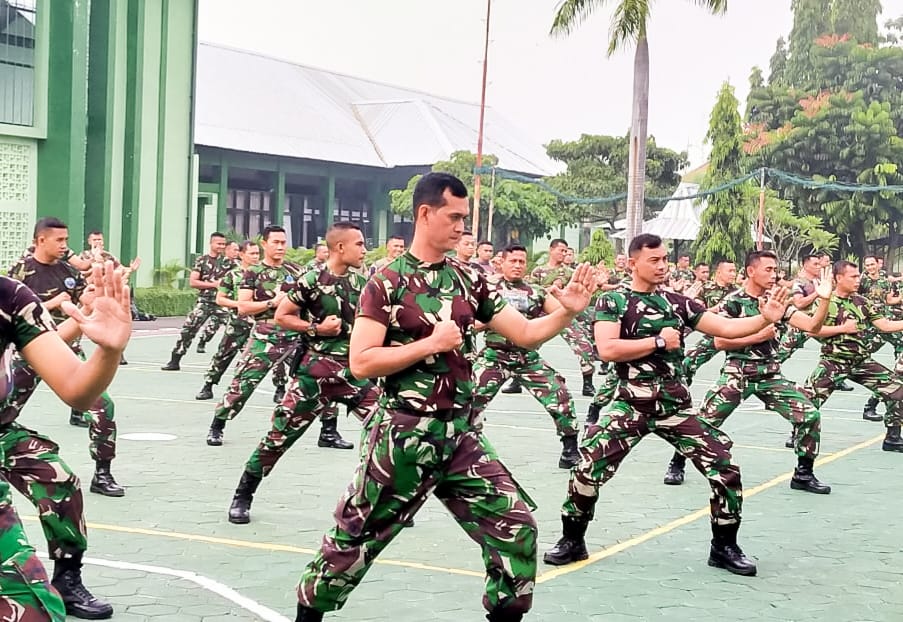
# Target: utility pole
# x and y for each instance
(476, 179)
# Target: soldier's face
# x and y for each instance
(53, 242)
(217, 245)
(556, 253)
(650, 265)
(727, 273)
(274, 246)
(444, 225)
(352, 248)
(569, 256)
(702, 273)
(466, 247)
(683, 262)
(621, 262)
(514, 265)
(251, 256)
(848, 281)
(322, 253)
(231, 250)
(95, 241)
(484, 252)
(764, 274)
(871, 266)
(394, 248)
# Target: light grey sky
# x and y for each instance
(549, 87)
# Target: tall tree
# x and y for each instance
(777, 66)
(811, 20)
(857, 18)
(628, 26)
(725, 226)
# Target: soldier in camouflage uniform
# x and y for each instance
(261, 290)
(218, 320)
(879, 290)
(321, 306)
(846, 351)
(555, 273)
(205, 277)
(682, 275)
(501, 359)
(394, 249)
(55, 282)
(239, 328)
(321, 254)
(712, 293)
(750, 369)
(31, 462)
(641, 330)
(414, 331)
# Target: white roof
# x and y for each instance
(254, 103)
(679, 219)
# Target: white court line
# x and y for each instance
(221, 590)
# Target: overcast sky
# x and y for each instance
(550, 87)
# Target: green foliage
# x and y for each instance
(299, 256)
(725, 223)
(790, 234)
(597, 166)
(166, 275)
(777, 67)
(165, 301)
(600, 249)
(521, 211)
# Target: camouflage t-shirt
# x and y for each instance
(210, 269)
(49, 280)
(618, 277)
(409, 297)
(321, 293)
(713, 293)
(231, 281)
(88, 255)
(22, 318)
(642, 315)
(313, 264)
(856, 346)
(545, 276)
(527, 298)
(741, 304)
(265, 281)
(876, 290)
(683, 273)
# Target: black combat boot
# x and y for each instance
(571, 547)
(77, 419)
(122, 360)
(892, 441)
(173, 364)
(790, 443)
(870, 412)
(240, 510)
(804, 479)
(202, 347)
(279, 395)
(592, 414)
(80, 603)
(330, 437)
(306, 614)
(513, 387)
(674, 476)
(103, 483)
(726, 554)
(569, 454)
(206, 392)
(588, 389)
(503, 615)
(215, 434)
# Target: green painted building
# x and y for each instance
(112, 117)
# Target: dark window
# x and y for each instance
(17, 56)
(248, 212)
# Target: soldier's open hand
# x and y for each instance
(109, 324)
(824, 285)
(773, 310)
(574, 297)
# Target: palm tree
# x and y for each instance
(628, 25)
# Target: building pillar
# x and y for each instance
(327, 190)
(277, 207)
(61, 157)
(379, 201)
(222, 197)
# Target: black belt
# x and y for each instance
(443, 414)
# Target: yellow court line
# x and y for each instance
(689, 518)
(263, 546)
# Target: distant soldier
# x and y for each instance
(713, 292)
(682, 275)
(205, 277)
(230, 261)
(484, 258)
(394, 249)
(878, 289)
(321, 254)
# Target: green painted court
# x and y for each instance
(166, 551)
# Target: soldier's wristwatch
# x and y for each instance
(660, 343)
(312, 329)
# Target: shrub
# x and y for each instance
(165, 301)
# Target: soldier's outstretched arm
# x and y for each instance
(888, 326)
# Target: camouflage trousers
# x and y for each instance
(790, 341)
(697, 356)
(880, 338)
(320, 382)
(609, 386)
(738, 382)
(871, 374)
(26, 594)
(581, 344)
(404, 458)
(203, 311)
(268, 346)
(493, 368)
(100, 418)
(234, 339)
(607, 443)
(31, 462)
(216, 321)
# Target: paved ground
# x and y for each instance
(166, 551)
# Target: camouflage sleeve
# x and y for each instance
(17, 270)
(300, 293)
(610, 307)
(248, 280)
(692, 310)
(27, 316)
(227, 284)
(489, 301)
(198, 265)
(870, 311)
(375, 302)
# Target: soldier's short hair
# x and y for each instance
(484, 243)
(701, 264)
(95, 232)
(49, 222)
(269, 230)
(244, 246)
(840, 267)
(556, 243)
(430, 190)
(643, 240)
(216, 234)
(754, 257)
(512, 248)
(335, 231)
